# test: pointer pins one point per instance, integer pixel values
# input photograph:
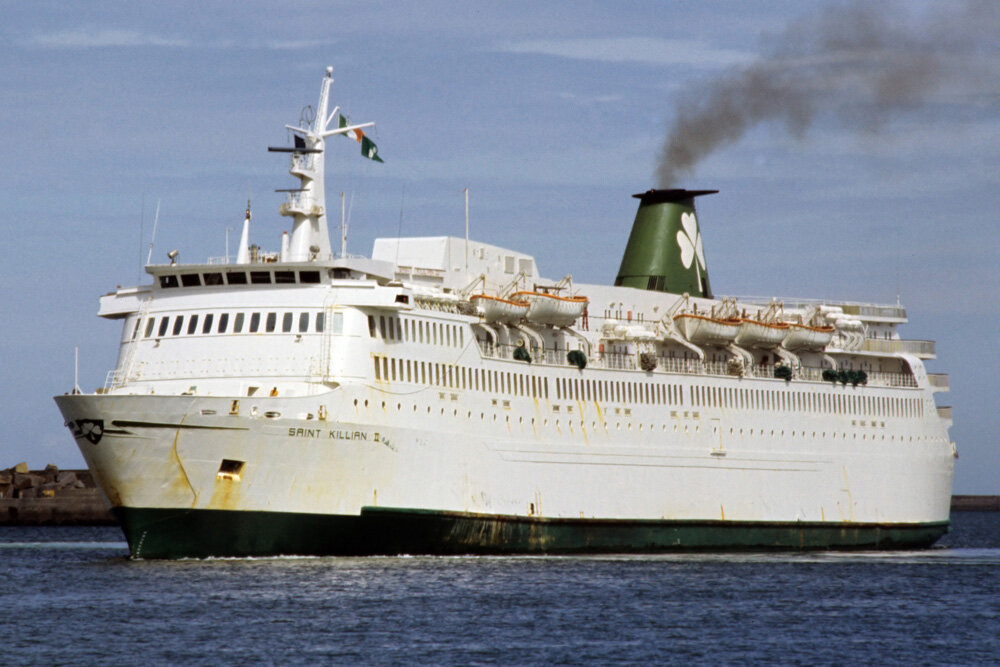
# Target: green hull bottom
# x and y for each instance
(169, 533)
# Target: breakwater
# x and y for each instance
(51, 497)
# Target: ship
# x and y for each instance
(441, 396)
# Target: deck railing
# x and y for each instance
(921, 348)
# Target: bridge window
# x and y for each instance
(191, 280)
(213, 278)
(284, 277)
(236, 278)
(309, 277)
(168, 281)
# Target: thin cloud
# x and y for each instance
(294, 45)
(647, 50)
(85, 38)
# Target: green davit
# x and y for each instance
(664, 251)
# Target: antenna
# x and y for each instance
(152, 239)
(142, 230)
(466, 229)
(343, 229)
(399, 231)
(76, 370)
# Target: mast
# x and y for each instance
(310, 239)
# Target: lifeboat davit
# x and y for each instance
(496, 309)
(802, 337)
(754, 333)
(703, 330)
(560, 311)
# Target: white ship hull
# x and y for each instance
(432, 459)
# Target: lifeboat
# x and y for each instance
(496, 309)
(802, 337)
(560, 311)
(703, 330)
(754, 333)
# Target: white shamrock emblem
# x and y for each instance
(689, 241)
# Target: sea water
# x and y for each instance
(71, 596)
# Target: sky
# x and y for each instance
(552, 114)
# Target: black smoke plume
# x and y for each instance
(861, 63)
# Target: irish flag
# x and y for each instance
(368, 147)
(357, 135)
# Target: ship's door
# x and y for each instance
(715, 434)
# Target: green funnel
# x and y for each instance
(664, 251)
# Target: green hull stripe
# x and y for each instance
(167, 533)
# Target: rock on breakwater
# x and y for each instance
(51, 497)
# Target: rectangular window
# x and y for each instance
(260, 277)
(381, 326)
(213, 278)
(223, 322)
(238, 324)
(254, 322)
(190, 280)
(271, 322)
(149, 326)
(371, 326)
(207, 327)
(378, 368)
(168, 281)
(310, 277)
(284, 277)
(321, 321)
(192, 325)
(236, 278)
(286, 322)
(303, 322)
(178, 324)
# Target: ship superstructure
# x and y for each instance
(442, 396)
